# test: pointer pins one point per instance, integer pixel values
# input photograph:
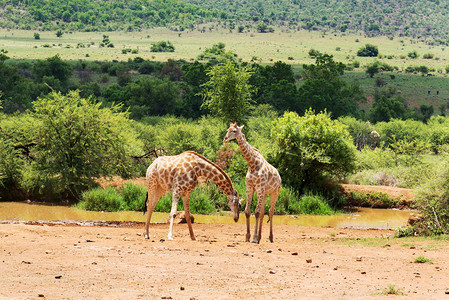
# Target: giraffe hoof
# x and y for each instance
(170, 238)
(147, 237)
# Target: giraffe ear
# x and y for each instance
(240, 127)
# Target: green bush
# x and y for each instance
(371, 199)
(162, 46)
(313, 205)
(312, 150)
(98, 199)
(134, 196)
(432, 200)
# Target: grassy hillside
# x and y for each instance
(266, 48)
(417, 19)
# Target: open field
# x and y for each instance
(267, 47)
(264, 47)
(303, 262)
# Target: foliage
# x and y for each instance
(228, 94)
(432, 200)
(311, 150)
(79, 140)
(98, 199)
(133, 196)
(217, 54)
(422, 260)
(388, 105)
(368, 51)
(162, 46)
(363, 133)
(371, 199)
(323, 89)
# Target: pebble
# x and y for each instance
(295, 253)
(359, 258)
(309, 260)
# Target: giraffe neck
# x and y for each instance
(212, 172)
(249, 153)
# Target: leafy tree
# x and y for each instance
(413, 54)
(217, 53)
(312, 149)
(162, 46)
(388, 105)
(194, 77)
(368, 51)
(324, 89)
(79, 140)
(52, 66)
(227, 93)
(59, 33)
(37, 36)
(152, 97)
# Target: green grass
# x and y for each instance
(422, 260)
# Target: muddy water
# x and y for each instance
(362, 218)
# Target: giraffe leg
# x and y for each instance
(260, 211)
(273, 197)
(185, 200)
(154, 193)
(174, 208)
(249, 198)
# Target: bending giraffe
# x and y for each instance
(261, 178)
(179, 174)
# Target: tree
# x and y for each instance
(387, 106)
(79, 140)
(162, 46)
(59, 33)
(152, 97)
(368, 51)
(324, 89)
(37, 36)
(52, 66)
(312, 149)
(227, 93)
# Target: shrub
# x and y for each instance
(314, 53)
(413, 54)
(133, 196)
(98, 199)
(368, 51)
(162, 46)
(371, 199)
(311, 150)
(314, 205)
(432, 199)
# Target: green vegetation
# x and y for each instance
(371, 199)
(392, 290)
(407, 19)
(422, 260)
(162, 46)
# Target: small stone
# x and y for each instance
(359, 258)
(48, 252)
(447, 292)
(363, 272)
(269, 251)
(412, 247)
(295, 253)
(41, 296)
(58, 277)
(272, 272)
(182, 288)
(309, 260)
(89, 241)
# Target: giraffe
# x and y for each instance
(179, 174)
(261, 178)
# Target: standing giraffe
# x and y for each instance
(262, 178)
(179, 174)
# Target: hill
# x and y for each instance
(416, 19)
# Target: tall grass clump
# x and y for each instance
(98, 199)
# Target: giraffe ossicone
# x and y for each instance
(262, 178)
(179, 175)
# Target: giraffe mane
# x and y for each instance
(215, 165)
(254, 148)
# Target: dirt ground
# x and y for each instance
(116, 262)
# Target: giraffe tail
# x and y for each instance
(145, 205)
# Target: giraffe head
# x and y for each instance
(235, 204)
(233, 132)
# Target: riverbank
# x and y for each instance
(111, 262)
